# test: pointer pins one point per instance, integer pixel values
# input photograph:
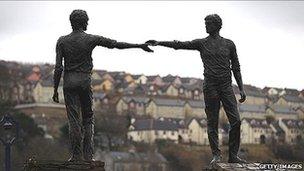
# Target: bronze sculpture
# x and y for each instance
(76, 50)
(219, 57)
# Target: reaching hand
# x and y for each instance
(243, 96)
(146, 48)
(152, 42)
(55, 97)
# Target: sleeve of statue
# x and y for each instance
(176, 44)
(235, 64)
(58, 66)
(105, 42)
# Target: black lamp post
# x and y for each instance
(9, 129)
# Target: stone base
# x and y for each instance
(234, 167)
(53, 165)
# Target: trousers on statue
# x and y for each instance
(216, 91)
(78, 100)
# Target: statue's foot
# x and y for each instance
(237, 160)
(88, 158)
(216, 159)
(74, 158)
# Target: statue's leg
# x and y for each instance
(72, 103)
(230, 106)
(212, 107)
(88, 123)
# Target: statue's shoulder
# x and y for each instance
(199, 40)
(202, 40)
(93, 36)
(61, 39)
(228, 41)
(64, 37)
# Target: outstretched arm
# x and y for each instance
(237, 71)
(123, 45)
(58, 70)
(188, 45)
(110, 43)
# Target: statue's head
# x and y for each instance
(79, 19)
(213, 23)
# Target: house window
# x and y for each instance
(105, 101)
(164, 132)
(190, 130)
(172, 132)
(196, 92)
(155, 133)
(181, 91)
(132, 105)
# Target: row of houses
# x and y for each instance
(158, 106)
(255, 131)
(35, 82)
(26, 83)
(153, 96)
(154, 108)
(181, 88)
(194, 130)
(44, 87)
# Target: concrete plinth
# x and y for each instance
(53, 165)
(234, 167)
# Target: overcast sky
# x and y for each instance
(268, 35)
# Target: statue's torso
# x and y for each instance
(77, 50)
(216, 55)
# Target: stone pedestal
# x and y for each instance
(234, 167)
(53, 165)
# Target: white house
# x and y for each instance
(198, 133)
(255, 131)
(150, 130)
(293, 130)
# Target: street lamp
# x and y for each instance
(9, 130)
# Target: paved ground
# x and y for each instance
(48, 165)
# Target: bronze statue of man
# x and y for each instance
(76, 50)
(219, 57)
